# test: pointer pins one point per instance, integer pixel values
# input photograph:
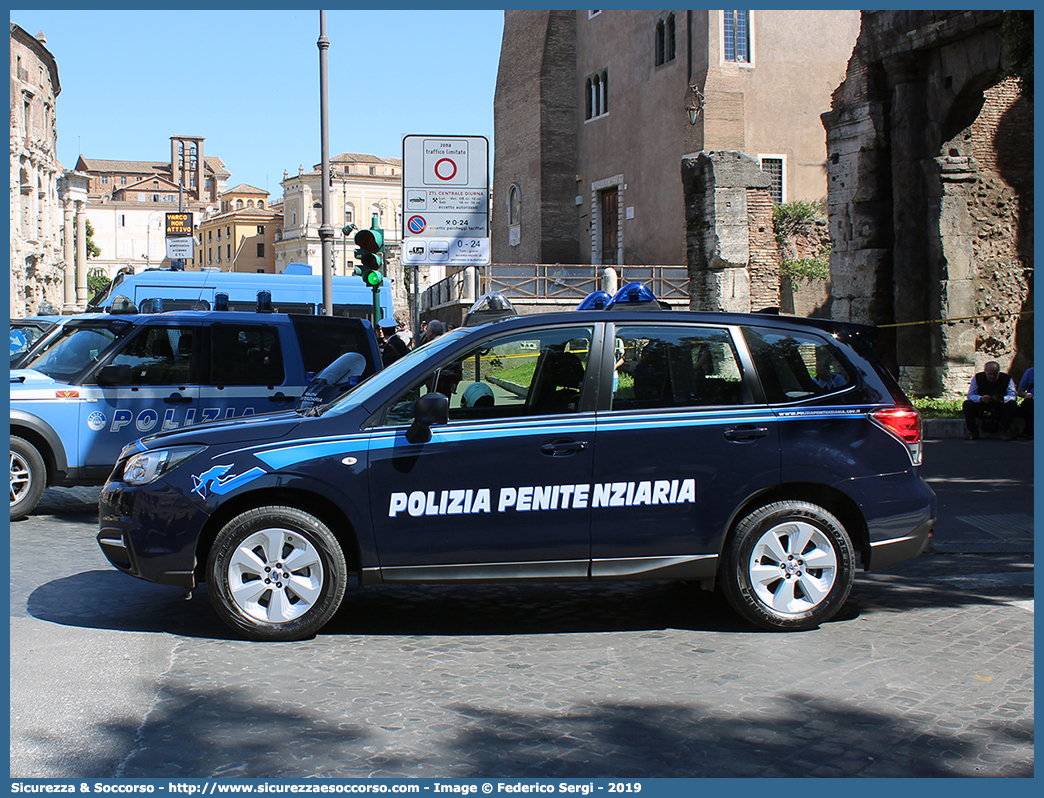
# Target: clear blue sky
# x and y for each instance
(248, 81)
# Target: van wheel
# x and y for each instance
(28, 477)
(788, 566)
(276, 573)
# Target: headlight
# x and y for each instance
(144, 467)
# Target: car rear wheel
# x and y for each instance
(28, 477)
(788, 566)
(276, 573)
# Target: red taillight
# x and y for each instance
(905, 424)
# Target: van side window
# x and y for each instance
(795, 366)
(244, 354)
(159, 356)
(675, 366)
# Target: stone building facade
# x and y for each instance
(931, 197)
(36, 218)
(127, 202)
(362, 186)
(591, 121)
(242, 237)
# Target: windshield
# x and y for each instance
(74, 350)
(388, 375)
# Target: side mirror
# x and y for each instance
(432, 408)
(114, 375)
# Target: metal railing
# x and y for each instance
(558, 283)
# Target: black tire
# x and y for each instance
(28, 477)
(769, 574)
(306, 576)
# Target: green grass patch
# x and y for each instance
(939, 408)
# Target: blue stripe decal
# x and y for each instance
(389, 438)
(292, 455)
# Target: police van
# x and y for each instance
(104, 380)
(296, 291)
(762, 454)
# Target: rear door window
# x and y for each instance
(664, 366)
(794, 366)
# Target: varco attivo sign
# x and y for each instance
(445, 197)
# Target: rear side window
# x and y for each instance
(323, 340)
(245, 355)
(795, 366)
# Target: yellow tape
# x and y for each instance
(958, 318)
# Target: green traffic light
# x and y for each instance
(373, 279)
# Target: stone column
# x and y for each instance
(953, 257)
(81, 255)
(915, 296)
(70, 257)
(717, 232)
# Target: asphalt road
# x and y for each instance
(927, 671)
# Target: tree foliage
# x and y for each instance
(93, 250)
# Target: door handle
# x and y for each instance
(562, 448)
(177, 399)
(280, 397)
(745, 434)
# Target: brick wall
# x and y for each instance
(764, 252)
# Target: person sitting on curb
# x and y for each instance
(1026, 406)
(991, 396)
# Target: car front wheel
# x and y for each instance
(788, 566)
(276, 573)
(28, 477)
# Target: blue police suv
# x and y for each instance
(105, 379)
(760, 454)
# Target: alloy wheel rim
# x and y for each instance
(20, 477)
(793, 567)
(275, 575)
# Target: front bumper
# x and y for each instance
(151, 532)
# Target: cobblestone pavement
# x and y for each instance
(928, 670)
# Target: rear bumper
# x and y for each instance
(884, 553)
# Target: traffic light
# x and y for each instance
(370, 253)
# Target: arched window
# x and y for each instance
(665, 49)
(239, 204)
(514, 205)
(261, 203)
(597, 90)
(250, 203)
(514, 216)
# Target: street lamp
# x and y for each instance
(695, 107)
